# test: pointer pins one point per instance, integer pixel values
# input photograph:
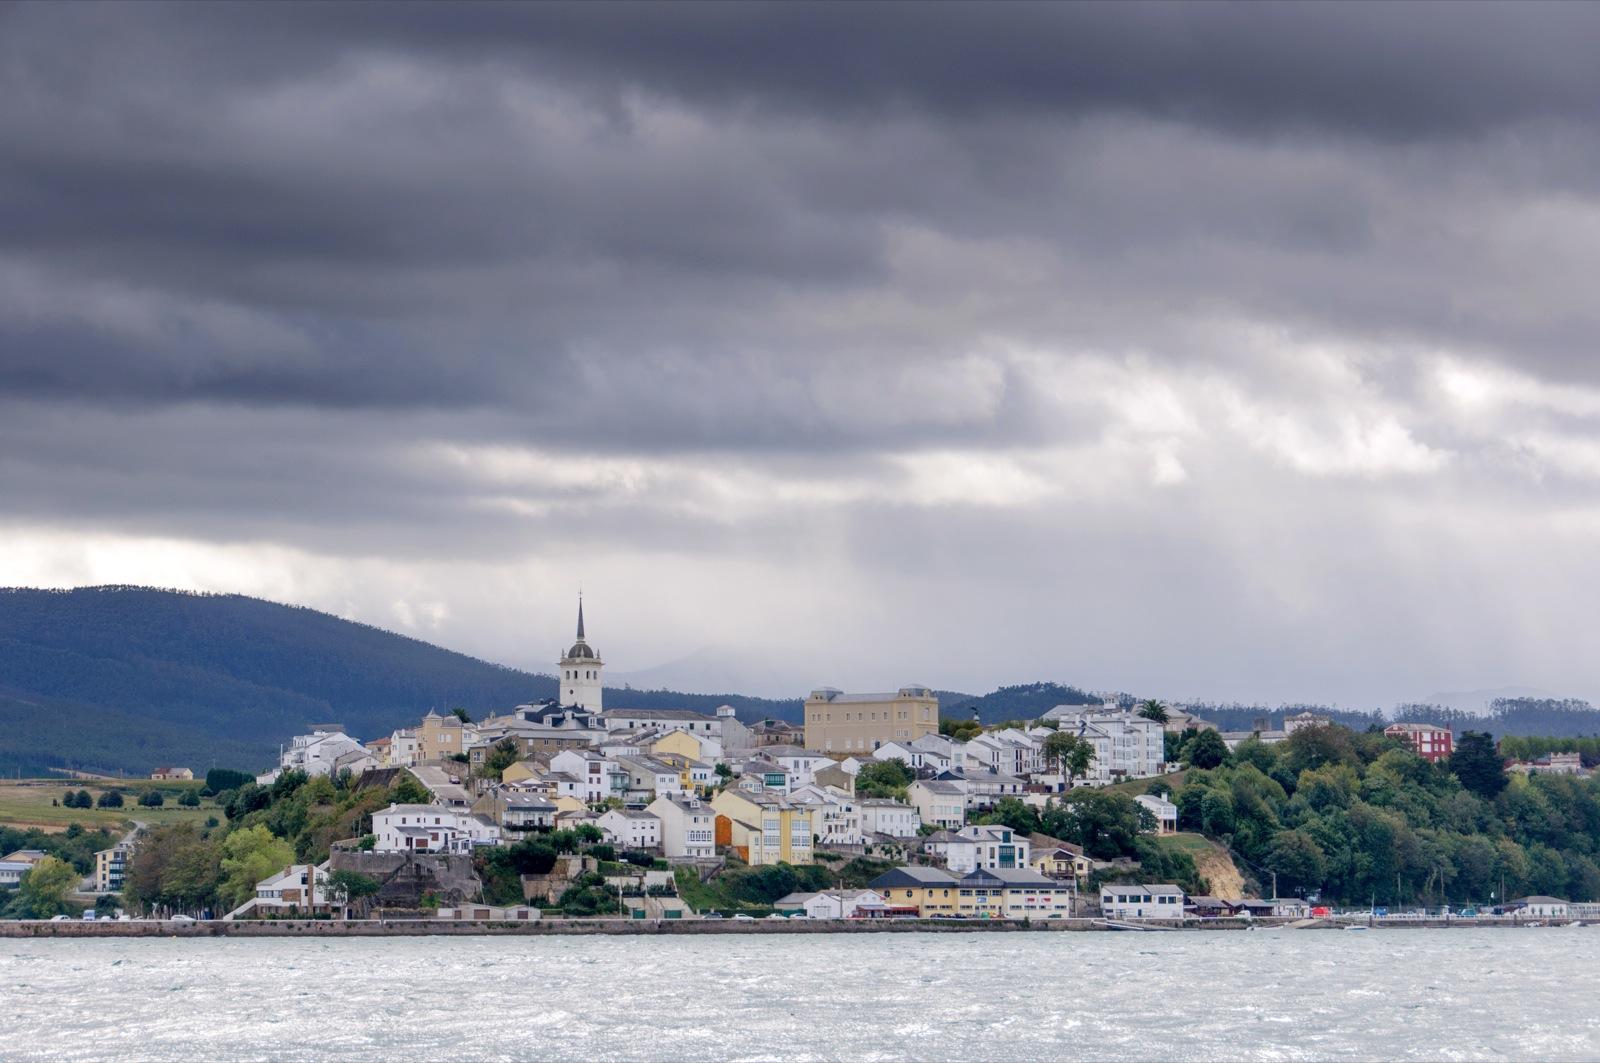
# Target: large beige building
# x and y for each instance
(842, 723)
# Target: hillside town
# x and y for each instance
(872, 807)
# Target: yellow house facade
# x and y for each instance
(682, 743)
(768, 828)
(927, 891)
(1059, 863)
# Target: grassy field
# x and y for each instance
(1135, 787)
(28, 803)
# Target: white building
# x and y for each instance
(941, 804)
(986, 847)
(1165, 812)
(321, 753)
(830, 904)
(1126, 745)
(649, 777)
(939, 752)
(630, 828)
(696, 723)
(904, 751)
(802, 764)
(579, 669)
(1004, 752)
(404, 749)
(1540, 907)
(599, 777)
(882, 815)
(835, 815)
(688, 828)
(1141, 901)
(301, 887)
(431, 829)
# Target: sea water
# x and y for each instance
(1531, 993)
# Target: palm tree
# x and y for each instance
(1151, 709)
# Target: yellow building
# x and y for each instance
(1012, 893)
(925, 891)
(439, 737)
(682, 743)
(1059, 862)
(764, 828)
(842, 723)
(522, 771)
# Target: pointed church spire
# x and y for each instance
(580, 616)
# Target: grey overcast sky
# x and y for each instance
(1212, 351)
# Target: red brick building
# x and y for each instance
(1430, 742)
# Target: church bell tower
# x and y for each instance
(580, 673)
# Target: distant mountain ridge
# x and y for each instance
(129, 678)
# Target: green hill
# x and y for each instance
(130, 678)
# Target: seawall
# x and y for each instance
(561, 927)
(548, 927)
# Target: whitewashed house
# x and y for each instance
(1164, 811)
(835, 815)
(688, 828)
(1126, 745)
(321, 753)
(1141, 901)
(630, 828)
(830, 904)
(941, 804)
(431, 829)
(883, 815)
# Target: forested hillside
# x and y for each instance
(1026, 702)
(128, 678)
(1565, 718)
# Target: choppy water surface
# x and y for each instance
(1456, 994)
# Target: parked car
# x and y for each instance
(60, 918)
(181, 919)
(749, 918)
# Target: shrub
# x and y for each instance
(152, 799)
(110, 799)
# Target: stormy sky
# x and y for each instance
(1201, 351)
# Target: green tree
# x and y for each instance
(1151, 709)
(461, 714)
(172, 867)
(249, 855)
(220, 779)
(1298, 860)
(110, 799)
(190, 799)
(353, 889)
(1309, 748)
(408, 791)
(503, 754)
(1477, 764)
(1206, 750)
(44, 888)
(1068, 754)
(884, 778)
(152, 799)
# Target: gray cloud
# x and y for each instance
(1228, 350)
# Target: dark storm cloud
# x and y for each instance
(466, 226)
(1401, 69)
